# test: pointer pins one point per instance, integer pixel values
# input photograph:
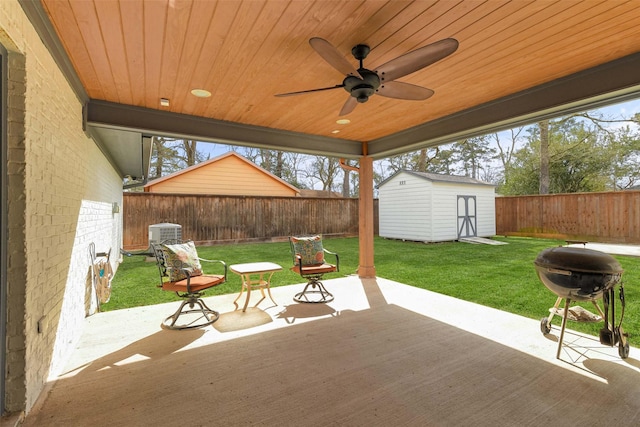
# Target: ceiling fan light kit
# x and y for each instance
(363, 83)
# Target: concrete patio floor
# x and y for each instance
(382, 352)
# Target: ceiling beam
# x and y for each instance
(161, 123)
(606, 84)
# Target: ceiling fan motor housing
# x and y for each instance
(363, 88)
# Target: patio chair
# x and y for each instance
(181, 272)
(309, 262)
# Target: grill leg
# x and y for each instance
(564, 325)
(554, 311)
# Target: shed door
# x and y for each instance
(467, 223)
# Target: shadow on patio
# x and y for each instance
(382, 353)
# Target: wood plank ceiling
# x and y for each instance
(244, 52)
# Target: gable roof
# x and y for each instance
(436, 177)
(218, 159)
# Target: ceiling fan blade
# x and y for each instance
(300, 92)
(348, 106)
(332, 56)
(401, 90)
(416, 59)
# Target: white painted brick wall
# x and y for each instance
(69, 188)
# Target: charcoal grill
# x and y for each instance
(580, 274)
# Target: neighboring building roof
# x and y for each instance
(319, 193)
(238, 161)
(436, 177)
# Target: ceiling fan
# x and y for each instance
(363, 83)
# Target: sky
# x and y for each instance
(625, 109)
(615, 111)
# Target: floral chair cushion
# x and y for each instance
(310, 249)
(182, 256)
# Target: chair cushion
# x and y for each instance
(182, 256)
(309, 249)
(196, 283)
(314, 269)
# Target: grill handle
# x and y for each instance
(558, 271)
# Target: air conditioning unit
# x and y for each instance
(161, 232)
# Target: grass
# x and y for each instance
(500, 276)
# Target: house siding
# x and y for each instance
(61, 193)
(227, 176)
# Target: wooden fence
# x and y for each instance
(224, 219)
(612, 217)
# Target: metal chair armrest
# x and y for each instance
(299, 262)
(217, 261)
(335, 255)
(188, 274)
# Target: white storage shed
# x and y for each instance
(430, 207)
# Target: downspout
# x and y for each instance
(345, 166)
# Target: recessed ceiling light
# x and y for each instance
(335, 131)
(201, 93)
(343, 121)
(164, 102)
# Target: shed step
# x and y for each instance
(481, 240)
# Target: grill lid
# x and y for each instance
(578, 260)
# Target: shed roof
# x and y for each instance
(436, 177)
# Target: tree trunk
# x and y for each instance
(422, 161)
(159, 145)
(544, 157)
(279, 167)
(190, 151)
(346, 183)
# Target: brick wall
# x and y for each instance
(61, 194)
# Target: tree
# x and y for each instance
(623, 142)
(625, 153)
(435, 160)
(505, 153)
(523, 172)
(346, 179)
(285, 165)
(578, 160)
(292, 167)
(170, 155)
(473, 154)
(506, 149)
(543, 187)
(190, 151)
(325, 170)
(444, 161)
(164, 157)
(400, 162)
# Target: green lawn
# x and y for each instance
(500, 276)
